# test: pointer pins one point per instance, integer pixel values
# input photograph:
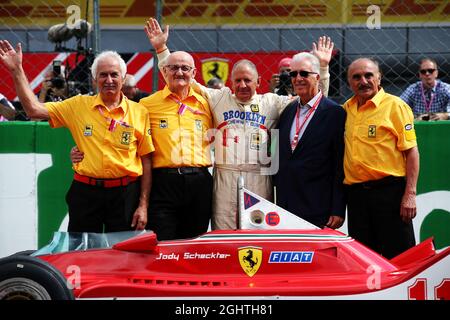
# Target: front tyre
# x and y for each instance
(25, 277)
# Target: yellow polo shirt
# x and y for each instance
(180, 139)
(107, 154)
(376, 135)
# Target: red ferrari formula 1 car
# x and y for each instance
(274, 255)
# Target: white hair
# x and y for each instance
(129, 80)
(315, 63)
(108, 54)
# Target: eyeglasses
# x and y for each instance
(368, 76)
(175, 68)
(425, 71)
(303, 73)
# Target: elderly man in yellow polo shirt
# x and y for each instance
(180, 201)
(381, 163)
(112, 183)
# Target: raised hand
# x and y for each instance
(10, 57)
(323, 50)
(155, 35)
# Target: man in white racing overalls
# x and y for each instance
(243, 120)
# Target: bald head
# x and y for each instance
(180, 56)
(364, 61)
(179, 71)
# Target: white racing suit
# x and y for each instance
(242, 145)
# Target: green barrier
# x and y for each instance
(433, 139)
(54, 181)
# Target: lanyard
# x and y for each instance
(112, 122)
(184, 107)
(299, 126)
(427, 106)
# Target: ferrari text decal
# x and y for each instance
(291, 257)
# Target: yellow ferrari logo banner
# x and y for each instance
(215, 68)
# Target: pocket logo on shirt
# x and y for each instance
(163, 124)
(372, 133)
(255, 141)
(88, 130)
(254, 108)
(198, 124)
(126, 138)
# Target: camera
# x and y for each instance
(58, 81)
(285, 85)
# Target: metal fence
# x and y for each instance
(396, 32)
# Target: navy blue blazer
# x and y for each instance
(309, 182)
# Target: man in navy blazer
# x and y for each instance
(309, 182)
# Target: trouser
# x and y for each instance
(180, 203)
(225, 194)
(99, 209)
(374, 216)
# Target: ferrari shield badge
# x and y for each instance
(126, 137)
(250, 259)
(372, 131)
(215, 68)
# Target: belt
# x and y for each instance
(105, 183)
(373, 184)
(181, 170)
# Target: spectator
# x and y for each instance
(381, 163)
(131, 91)
(429, 98)
(7, 110)
(180, 201)
(112, 131)
(309, 182)
(215, 83)
(243, 119)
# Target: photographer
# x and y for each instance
(54, 87)
(280, 83)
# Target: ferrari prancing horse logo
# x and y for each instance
(250, 259)
(215, 68)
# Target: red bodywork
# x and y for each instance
(211, 266)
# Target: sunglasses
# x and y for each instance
(175, 68)
(302, 73)
(425, 71)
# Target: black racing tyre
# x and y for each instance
(23, 253)
(28, 278)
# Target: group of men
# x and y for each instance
(145, 165)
